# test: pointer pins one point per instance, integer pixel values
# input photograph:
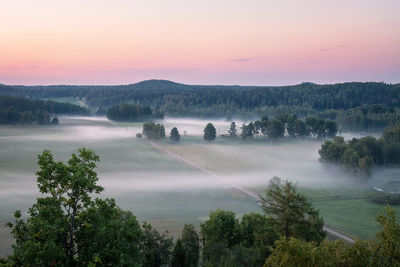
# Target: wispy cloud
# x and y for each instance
(330, 48)
(243, 59)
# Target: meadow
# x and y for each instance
(167, 192)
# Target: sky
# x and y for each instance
(244, 42)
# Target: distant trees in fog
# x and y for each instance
(359, 155)
(290, 124)
(18, 110)
(132, 112)
(153, 131)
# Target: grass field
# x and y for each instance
(168, 193)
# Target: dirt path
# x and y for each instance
(224, 181)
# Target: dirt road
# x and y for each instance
(237, 187)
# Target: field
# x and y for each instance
(168, 193)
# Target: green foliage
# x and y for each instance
(15, 110)
(209, 132)
(191, 245)
(387, 245)
(384, 251)
(195, 100)
(248, 131)
(290, 211)
(132, 112)
(232, 130)
(175, 136)
(178, 255)
(275, 129)
(360, 155)
(153, 131)
(67, 227)
(228, 242)
(156, 248)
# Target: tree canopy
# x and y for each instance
(209, 132)
(291, 212)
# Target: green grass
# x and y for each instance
(139, 177)
(348, 210)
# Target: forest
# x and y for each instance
(132, 113)
(19, 110)
(356, 105)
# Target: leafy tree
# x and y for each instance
(191, 245)
(291, 212)
(219, 233)
(209, 132)
(54, 121)
(387, 246)
(331, 128)
(68, 227)
(156, 248)
(248, 131)
(178, 255)
(232, 129)
(392, 134)
(153, 131)
(300, 128)
(384, 251)
(175, 136)
(275, 129)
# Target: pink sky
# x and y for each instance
(259, 42)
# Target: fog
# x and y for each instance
(157, 187)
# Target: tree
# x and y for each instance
(153, 131)
(384, 251)
(291, 212)
(248, 131)
(331, 128)
(175, 136)
(178, 255)
(300, 128)
(275, 129)
(156, 248)
(67, 227)
(54, 121)
(191, 245)
(219, 233)
(232, 130)
(209, 132)
(387, 246)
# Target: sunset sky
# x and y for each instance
(242, 42)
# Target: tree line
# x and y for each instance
(286, 124)
(360, 155)
(365, 118)
(18, 110)
(235, 101)
(133, 112)
(67, 226)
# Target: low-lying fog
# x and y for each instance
(155, 186)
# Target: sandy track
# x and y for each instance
(237, 187)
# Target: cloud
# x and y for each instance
(243, 59)
(326, 49)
